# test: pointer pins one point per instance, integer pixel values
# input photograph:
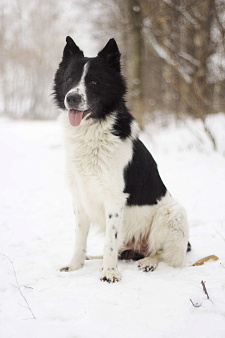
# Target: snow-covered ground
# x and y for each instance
(37, 234)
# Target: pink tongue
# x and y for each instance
(75, 117)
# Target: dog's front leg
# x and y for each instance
(81, 233)
(114, 219)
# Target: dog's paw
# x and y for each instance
(110, 275)
(148, 263)
(71, 267)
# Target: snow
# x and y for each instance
(37, 234)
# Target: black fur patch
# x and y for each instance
(189, 247)
(142, 180)
(130, 255)
(108, 91)
(122, 125)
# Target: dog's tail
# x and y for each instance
(89, 258)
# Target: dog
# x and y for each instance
(113, 178)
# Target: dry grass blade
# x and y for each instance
(19, 288)
(205, 259)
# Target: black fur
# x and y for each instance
(122, 126)
(107, 94)
(111, 55)
(188, 247)
(71, 49)
(130, 255)
(142, 180)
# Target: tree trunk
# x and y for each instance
(136, 50)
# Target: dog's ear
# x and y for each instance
(111, 54)
(71, 49)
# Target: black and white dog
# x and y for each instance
(113, 178)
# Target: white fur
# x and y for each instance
(95, 163)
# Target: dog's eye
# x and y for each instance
(92, 83)
(69, 80)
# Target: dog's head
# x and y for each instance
(89, 87)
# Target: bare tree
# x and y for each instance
(172, 49)
(186, 47)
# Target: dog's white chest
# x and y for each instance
(96, 160)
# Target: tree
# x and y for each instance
(31, 42)
(172, 47)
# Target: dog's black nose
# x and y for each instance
(73, 99)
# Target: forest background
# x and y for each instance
(172, 53)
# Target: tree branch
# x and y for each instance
(206, 292)
(182, 11)
(195, 305)
(163, 54)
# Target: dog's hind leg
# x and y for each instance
(149, 263)
(168, 238)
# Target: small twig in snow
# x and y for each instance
(204, 289)
(17, 286)
(206, 292)
(195, 305)
(27, 287)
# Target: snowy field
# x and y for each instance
(37, 235)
